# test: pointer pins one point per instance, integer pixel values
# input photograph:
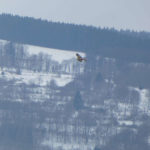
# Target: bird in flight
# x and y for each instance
(80, 58)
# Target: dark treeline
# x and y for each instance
(127, 45)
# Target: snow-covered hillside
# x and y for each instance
(56, 54)
(55, 65)
(57, 103)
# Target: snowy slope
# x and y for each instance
(56, 54)
(63, 59)
(38, 78)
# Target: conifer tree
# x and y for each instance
(77, 101)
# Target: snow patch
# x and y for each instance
(126, 122)
(52, 142)
(75, 115)
(3, 42)
(144, 99)
(39, 78)
(56, 54)
(65, 57)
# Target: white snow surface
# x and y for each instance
(67, 146)
(56, 54)
(129, 122)
(144, 99)
(40, 78)
(3, 42)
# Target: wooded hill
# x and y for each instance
(124, 45)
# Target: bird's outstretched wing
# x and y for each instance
(79, 58)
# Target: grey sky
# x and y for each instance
(126, 14)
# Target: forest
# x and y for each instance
(105, 105)
(124, 44)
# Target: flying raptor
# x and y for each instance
(80, 58)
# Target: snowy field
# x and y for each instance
(56, 54)
(42, 78)
(39, 78)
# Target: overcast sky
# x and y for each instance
(126, 14)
